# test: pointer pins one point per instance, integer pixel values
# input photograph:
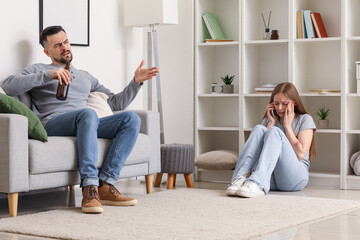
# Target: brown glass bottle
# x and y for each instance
(62, 90)
(274, 35)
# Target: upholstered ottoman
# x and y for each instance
(175, 159)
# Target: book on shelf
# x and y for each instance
(303, 24)
(213, 27)
(308, 24)
(264, 89)
(324, 90)
(218, 40)
(301, 28)
(318, 25)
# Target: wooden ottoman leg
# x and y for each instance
(158, 179)
(189, 182)
(149, 182)
(174, 180)
(170, 181)
(13, 204)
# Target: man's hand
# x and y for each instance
(143, 74)
(61, 74)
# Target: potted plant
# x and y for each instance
(228, 87)
(323, 114)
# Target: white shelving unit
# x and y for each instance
(217, 115)
(224, 121)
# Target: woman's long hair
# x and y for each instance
(291, 92)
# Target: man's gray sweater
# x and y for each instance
(36, 79)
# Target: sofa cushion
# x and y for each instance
(98, 102)
(11, 105)
(60, 154)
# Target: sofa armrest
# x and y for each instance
(150, 125)
(14, 157)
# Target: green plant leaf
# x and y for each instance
(323, 113)
(227, 79)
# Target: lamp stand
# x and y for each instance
(153, 51)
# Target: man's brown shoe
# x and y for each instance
(109, 195)
(91, 201)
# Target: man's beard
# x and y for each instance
(65, 60)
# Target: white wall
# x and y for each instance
(114, 53)
(111, 57)
(176, 66)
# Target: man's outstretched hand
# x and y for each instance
(143, 74)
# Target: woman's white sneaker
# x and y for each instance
(235, 186)
(250, 189)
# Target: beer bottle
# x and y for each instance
(62, 90)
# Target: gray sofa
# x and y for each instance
(28, 164)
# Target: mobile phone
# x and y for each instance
(272, 113)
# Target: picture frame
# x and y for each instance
(73, 16)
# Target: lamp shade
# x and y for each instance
(141, 13)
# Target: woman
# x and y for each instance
(278, 152)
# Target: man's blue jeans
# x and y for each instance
(272, 161)
(122, 128)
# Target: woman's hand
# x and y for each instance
(289, 115)
(270, 108)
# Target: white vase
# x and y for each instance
(323, 123)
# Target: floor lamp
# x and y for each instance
(150, 13)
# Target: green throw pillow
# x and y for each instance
(35, 128)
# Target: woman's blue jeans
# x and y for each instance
(272, 161)
(122, 128)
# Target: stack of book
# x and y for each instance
(213, 31)
(265, 88)
(310, 25)
(323, 90)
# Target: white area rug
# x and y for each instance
(181, 214)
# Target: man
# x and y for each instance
(72, 117)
